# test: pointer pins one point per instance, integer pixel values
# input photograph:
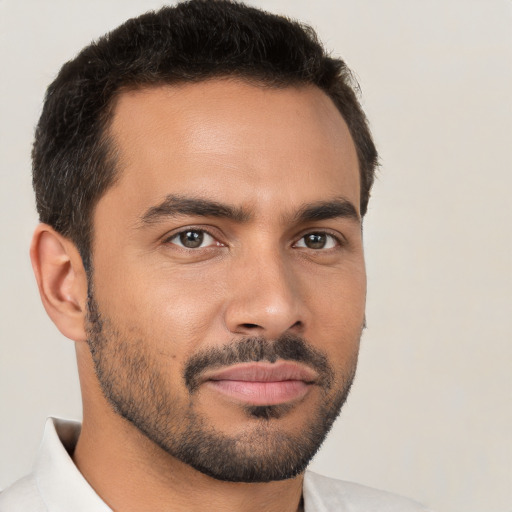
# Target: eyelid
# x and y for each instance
(338, 237)
(170, 236)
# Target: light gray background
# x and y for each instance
(430, 415)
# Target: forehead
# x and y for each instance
(220, 138)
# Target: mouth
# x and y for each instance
(262, 383)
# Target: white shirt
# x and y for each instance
(56, 485)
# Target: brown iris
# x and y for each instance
(192, 239)
(315, 240)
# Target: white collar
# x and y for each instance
(62, 486)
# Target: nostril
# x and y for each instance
(297, 325)
(257, 329)
(251, 326)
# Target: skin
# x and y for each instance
(268, 152)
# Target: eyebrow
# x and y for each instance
(176, 206)
(331, 209)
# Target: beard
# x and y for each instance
(133, 380)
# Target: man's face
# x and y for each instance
(228, 289)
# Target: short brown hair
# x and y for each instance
(73, 161)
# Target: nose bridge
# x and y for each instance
(266, 297)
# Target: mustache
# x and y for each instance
(289, 347)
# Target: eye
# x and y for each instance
(193, 239)
(318, 241)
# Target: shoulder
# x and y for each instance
(322, 494)
(22, 496)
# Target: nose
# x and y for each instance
(265, 297)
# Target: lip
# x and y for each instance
(262, 383)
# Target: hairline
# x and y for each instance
(107, 137)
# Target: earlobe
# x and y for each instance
(61, 280)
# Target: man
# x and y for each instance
(201, 175)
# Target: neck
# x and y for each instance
(130, 473)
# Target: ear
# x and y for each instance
(61, 280)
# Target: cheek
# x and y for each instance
(171, 309)
(339, 297)
(338, 311)
(187, 301)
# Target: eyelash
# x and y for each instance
(338, 240)
(169, 239)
